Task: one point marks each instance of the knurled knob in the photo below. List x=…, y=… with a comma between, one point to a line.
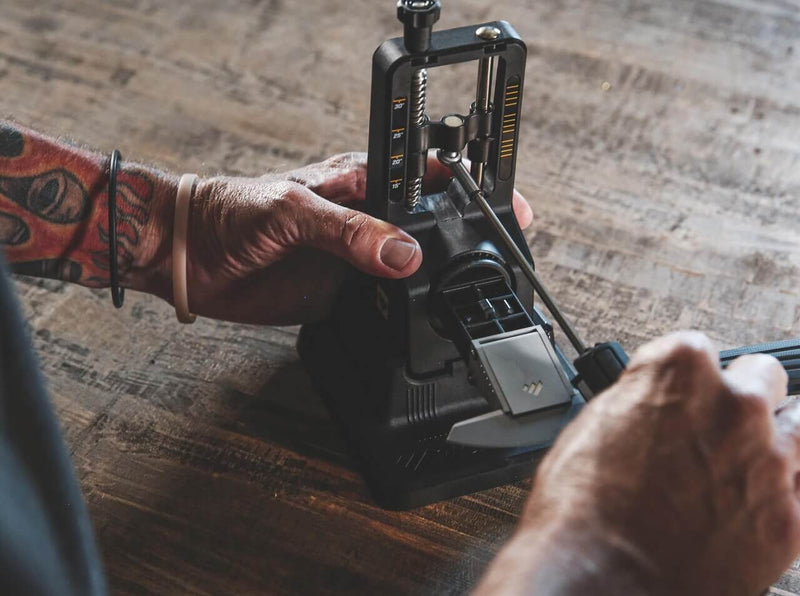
x=418, y=18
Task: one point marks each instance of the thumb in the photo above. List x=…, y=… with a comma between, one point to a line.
x=371, y=245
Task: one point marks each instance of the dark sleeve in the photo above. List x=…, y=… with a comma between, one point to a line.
x=46, y=540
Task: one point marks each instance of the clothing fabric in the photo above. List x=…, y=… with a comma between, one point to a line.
x=46, y=541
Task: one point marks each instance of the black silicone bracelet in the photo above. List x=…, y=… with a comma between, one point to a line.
x=117, y=293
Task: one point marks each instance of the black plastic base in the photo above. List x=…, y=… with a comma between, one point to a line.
x=406, y=469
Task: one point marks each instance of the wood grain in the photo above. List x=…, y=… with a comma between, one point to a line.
x=660, y=154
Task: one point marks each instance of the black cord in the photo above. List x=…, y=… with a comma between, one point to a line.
x=117, y=293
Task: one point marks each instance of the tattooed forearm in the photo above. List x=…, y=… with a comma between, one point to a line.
x=13, y=230
x=132, y=216
x=11, y=141
x=56, y=196
x=54, y=214
x=53, y=268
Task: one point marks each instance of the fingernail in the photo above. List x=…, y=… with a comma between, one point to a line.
x=397, y=253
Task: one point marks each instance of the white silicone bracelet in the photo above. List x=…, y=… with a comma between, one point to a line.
x=180, y=240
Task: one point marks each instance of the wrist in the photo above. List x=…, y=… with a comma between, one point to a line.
x=57, y=197
x=150, y=266
x=564, y=557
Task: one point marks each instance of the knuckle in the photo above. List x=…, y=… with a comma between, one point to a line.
x=772, y=365
x=359, y=183
x=355, y=227
x=285, y=207
x=351, y=159
x=290, y=189
x=684, y=363
x=677, y=368
x=788, y=419
x=752, y=405
x=757, y=382
x=747, y=412
x=351, y=170
x=689, y=348
x=287, y=223
x=291, y=201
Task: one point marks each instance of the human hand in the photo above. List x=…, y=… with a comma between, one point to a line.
x=273, y=250
x=679, y=479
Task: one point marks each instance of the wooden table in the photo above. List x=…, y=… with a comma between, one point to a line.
x=659, y=151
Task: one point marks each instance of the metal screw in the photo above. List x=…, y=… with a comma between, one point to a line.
x=419, y=86
x=487, y=32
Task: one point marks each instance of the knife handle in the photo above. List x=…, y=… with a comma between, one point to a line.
x=787, y=352
x=600, y=366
